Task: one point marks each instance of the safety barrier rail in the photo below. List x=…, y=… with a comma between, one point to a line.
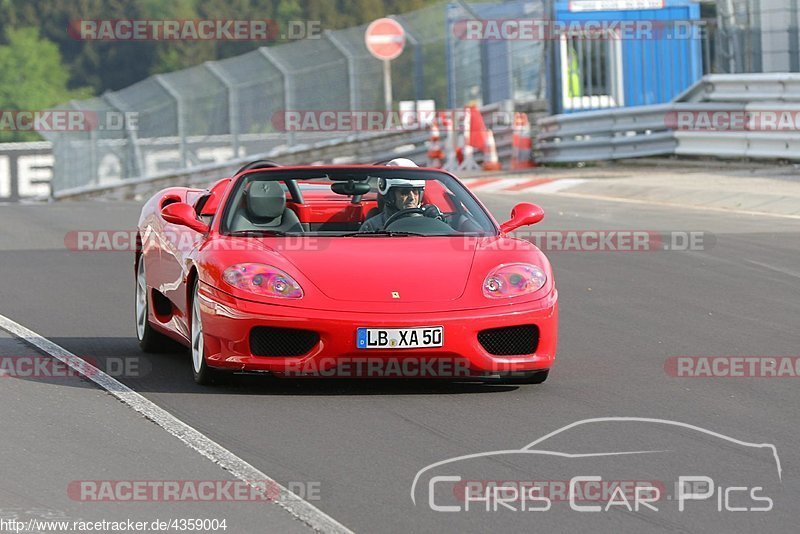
x=360, y=148
x=674, y=128
x=348, y=150
x=777, y=87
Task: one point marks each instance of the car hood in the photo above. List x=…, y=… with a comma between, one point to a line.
x=379, y=274
x=386, y=269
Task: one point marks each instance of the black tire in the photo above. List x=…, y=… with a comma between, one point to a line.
x=150, y=340
x=202, y=373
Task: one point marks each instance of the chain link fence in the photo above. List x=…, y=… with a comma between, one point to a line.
x=225, y=109
x=756, y=36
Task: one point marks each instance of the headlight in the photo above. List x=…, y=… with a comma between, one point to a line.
x=512, y=280
x=262, y=280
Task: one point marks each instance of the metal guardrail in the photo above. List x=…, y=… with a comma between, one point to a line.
x=357, y=148
x=756, y=145
x=777, y=87
x=348, y=150
x=656, y=130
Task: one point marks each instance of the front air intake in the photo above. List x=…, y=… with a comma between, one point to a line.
x=510, y=340
x=270, y=341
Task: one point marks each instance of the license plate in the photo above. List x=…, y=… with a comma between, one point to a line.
x=400, y=338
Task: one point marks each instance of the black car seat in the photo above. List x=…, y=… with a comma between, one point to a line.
x=265, y=209
x=375, y=211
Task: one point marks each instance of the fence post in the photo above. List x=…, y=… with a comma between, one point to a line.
x=134, y=162
x=92, y=146
x=161, y=80
x=449, y=56
x=352, y=82
x=288, y=86
x=794, y=37
x=419, y=87
x=483, y=56
x=233, y=104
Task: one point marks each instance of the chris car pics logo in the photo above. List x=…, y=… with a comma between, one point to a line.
x=684, y=473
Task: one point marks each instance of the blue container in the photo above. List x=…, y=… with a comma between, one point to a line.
x=651, y=68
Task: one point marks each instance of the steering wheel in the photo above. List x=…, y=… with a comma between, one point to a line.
x=432, y=211
x=407, y=212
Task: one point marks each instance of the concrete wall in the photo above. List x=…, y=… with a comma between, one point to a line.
x=25, y=170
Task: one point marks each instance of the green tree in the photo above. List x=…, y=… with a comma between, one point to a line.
x=112, y=65
x=34, y=77
x=288, y=10
x=103, y=65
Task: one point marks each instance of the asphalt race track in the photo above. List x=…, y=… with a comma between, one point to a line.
x=622, y=315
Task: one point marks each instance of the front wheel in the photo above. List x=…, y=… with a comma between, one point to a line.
x=149, y=339
x=203, y=374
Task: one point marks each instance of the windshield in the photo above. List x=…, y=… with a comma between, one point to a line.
x=363, y=202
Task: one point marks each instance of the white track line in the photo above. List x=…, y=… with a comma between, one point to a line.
x=297, y=507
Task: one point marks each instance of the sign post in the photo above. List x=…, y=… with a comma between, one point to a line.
x=385, y=39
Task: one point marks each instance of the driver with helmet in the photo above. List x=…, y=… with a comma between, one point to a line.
x=397, y=194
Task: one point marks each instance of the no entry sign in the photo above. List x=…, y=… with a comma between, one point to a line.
x=385, y=39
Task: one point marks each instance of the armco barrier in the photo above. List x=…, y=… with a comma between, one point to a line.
x=361, y=148
x=377, y=147
x=651, y=130
x=773, y=87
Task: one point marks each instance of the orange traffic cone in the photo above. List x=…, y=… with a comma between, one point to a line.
x=521, y=144
x=490, y=161
x=435, y=152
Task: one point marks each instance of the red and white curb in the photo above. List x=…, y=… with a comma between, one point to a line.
x=520, y=185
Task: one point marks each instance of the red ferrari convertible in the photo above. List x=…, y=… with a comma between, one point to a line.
x=360, y=270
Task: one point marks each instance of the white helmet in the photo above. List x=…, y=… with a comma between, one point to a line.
x=386, y=184
x=401, y=162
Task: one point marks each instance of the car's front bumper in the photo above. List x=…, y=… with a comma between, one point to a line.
x=227, y=323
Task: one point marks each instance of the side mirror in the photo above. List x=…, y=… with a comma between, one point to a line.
x=523, y=214
x=184, y=215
